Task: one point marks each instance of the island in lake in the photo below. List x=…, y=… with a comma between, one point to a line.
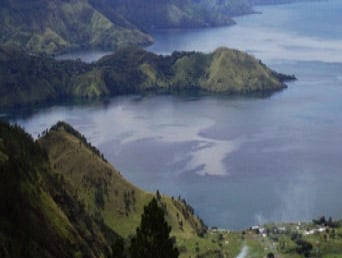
x=28, y=78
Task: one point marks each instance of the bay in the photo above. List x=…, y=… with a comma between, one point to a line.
x=238, y=160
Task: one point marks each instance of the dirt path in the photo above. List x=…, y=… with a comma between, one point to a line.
x=244, y=252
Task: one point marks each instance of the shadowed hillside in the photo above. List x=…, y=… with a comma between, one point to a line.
x=40, y=215
x=60, y=198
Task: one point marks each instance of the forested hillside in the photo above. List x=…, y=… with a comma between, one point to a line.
x=57, y=26
x=53, y=26
x=27, y=79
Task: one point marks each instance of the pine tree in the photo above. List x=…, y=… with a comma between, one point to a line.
x=152, y=238
x=118, y=248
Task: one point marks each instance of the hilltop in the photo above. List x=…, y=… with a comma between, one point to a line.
x=40, y=216
x=27, y=79
x=61, y=198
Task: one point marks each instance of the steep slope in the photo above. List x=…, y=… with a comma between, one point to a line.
x=59, y=25
x=39, y=215
x=103, y=189
x=67, y=201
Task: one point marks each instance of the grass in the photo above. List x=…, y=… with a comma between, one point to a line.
x=325, y=244
x=87, y=171
x=74, y=205
x=124, y=202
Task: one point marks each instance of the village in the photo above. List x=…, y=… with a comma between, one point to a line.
x=285, y=240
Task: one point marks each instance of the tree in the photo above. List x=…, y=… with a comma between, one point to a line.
x=270, y=255
x=118, y=248
x=304, y=247
x=152, y=239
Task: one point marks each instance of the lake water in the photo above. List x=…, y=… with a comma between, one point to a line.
x=238, y=160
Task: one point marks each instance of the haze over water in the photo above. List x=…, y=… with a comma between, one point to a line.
x=238, y=160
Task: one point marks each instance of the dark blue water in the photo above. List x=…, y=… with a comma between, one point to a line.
x=239, y=161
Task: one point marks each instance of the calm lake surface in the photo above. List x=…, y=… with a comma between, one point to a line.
x=238, y=160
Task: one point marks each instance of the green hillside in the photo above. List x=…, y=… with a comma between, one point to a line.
x=39, y=214
x=30, y=78
x=60, y=198
x=55, y=26
x=52, y=26
x=103, y=189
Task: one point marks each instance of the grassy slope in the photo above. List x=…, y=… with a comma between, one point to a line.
x=38, y=215
x=54, y=210
x=123, y=220
x=235, y=71
x=123, y=202
x=55, y=26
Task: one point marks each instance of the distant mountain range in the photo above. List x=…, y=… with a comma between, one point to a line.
x=52, y=26
x=55, y=26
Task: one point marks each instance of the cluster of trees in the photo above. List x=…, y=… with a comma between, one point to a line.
x=152, y=238
x=303, y=247
x=322, y=221
x=188, y=213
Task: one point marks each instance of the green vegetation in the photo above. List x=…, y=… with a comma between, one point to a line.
x=52, y=26
x=30, y=78
x=55, y=26
x=39, y=214
x=60, y=198
x=152, y=239
x=289, y=240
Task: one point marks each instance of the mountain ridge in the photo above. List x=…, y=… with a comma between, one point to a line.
x=61, y=198
x=56, y=26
